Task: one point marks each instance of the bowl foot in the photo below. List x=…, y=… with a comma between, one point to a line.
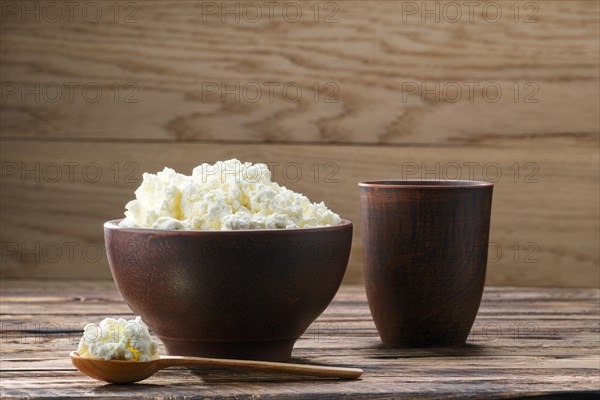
x=273, y=350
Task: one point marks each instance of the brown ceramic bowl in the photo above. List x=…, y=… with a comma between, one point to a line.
x=229, y=294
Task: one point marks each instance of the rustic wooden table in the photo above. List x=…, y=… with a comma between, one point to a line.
x=525, y=342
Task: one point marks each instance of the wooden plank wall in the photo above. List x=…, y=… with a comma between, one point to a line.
x=96, y=93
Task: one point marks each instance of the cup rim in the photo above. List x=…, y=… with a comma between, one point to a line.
x=425, y=184
x=114, y=225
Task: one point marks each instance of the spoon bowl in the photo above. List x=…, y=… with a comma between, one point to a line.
x=122, y=372
x=115, y=371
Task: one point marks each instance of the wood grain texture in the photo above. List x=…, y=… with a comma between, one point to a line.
x=554, y=222
x=525, y=342
x=374, y=53
x=382, y=60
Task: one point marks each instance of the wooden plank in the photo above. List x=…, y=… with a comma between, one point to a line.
x=544, y=233
x=42, y=288
x=340, y=309
x=561, y=358
x=379, y=58
x=216, y=385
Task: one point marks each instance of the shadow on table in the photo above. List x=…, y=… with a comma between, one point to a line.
x=112, y=388
x=391, y=353
x=224, y=376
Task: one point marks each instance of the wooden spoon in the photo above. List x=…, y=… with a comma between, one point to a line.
x=118, y=371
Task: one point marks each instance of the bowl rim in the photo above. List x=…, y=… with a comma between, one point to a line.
x=113, y=225
x=424, y=184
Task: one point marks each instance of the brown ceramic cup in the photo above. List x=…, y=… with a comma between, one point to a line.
x=425, y=257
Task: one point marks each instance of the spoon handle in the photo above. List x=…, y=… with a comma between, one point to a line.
x=262, y=366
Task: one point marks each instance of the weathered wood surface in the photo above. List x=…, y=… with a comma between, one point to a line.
x=545, y=214
x=525, y=342
x=156, y=62
x=370, y=62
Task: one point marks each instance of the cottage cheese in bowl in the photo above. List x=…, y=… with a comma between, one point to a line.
x=118, y=339
x=227, y=195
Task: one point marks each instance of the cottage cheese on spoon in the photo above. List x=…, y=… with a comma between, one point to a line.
x=228, y=195
x=118, y=340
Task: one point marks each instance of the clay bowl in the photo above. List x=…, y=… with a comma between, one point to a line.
x=228, y=294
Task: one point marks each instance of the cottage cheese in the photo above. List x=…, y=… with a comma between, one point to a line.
x=118, y=340
x=228, y=195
